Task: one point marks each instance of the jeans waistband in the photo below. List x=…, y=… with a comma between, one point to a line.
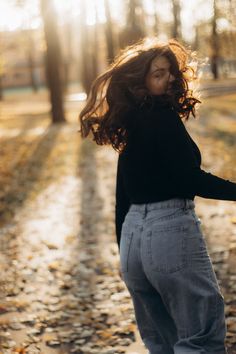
x=170, y=203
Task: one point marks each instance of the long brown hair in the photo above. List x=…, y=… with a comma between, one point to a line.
x=121, y=89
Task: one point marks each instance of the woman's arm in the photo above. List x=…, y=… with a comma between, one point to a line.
x=179, y=160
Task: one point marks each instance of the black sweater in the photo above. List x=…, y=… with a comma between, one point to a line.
x=160, y=162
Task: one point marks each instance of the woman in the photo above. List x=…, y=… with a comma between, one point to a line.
x=137, y=106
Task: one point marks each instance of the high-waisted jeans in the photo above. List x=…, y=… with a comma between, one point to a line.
x=164, y=262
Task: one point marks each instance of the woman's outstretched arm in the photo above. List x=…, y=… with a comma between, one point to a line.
x=178, y=158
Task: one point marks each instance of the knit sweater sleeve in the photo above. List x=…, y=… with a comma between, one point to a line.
x=122, y=202
x=178, y=158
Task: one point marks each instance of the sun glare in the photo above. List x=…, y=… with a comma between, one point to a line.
x=95, y=9
x=14, y=17
x=9, y=18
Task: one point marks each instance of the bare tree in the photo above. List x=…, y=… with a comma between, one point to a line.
x=195, y=44
x=214, y=43
x=135, y=28
x=84, y=67
x=1, y=88
x=94, y=47
x=108, y=32
x=1, y=75
x=156, y=20
x=53, y=60
x=176, y=33
x=89, y=49
x=68, y=56
x=31, y=58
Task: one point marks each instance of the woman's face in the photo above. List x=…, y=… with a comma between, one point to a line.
x=159, y=78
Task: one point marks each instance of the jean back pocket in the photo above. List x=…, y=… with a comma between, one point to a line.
x=167, y=249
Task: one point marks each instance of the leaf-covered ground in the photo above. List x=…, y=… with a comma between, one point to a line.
x=60, y=289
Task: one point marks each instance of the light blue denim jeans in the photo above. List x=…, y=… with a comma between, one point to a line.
x=164, y=262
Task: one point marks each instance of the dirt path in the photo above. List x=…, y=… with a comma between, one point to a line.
x=60, y=289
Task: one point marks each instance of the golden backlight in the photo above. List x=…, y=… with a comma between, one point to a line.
x=27, y=13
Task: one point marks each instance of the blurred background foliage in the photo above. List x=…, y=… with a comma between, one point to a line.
x=64, y=44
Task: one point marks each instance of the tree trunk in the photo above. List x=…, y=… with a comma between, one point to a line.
x=89, y=45
x=135, y=27
x=53, y=60
x=1, y=76
x=156, y=20
x=84, y=68
x=28, y=41
x=108, y=33
x=94, y=48
x=195, y=45
x=32, y=69
x=177, y=23
x=1, y=88
x=215, y=44
x=68, y=57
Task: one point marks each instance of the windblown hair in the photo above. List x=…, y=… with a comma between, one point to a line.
x=122, y=88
